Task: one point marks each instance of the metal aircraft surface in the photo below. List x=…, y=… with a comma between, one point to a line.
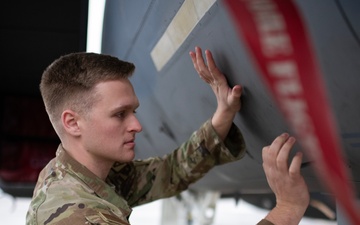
x=157, y=36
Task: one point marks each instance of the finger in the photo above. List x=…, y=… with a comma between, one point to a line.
x=276, y=145
x=269, y=168
x=196, y=57
x=265, y=155
x=217, y=76
x=213, y=72
x=200, y=60
x=202, y=68
x=193, y=59
x=211, y=63
x=283, y=156
x=295, y=166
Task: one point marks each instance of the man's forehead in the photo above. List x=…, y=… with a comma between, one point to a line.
x=120, y=92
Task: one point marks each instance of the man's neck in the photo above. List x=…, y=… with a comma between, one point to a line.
x=97, y=166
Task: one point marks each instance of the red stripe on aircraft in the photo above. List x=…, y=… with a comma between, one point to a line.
x=278, y=41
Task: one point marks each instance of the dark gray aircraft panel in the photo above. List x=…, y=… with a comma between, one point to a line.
x=350, y=11
x=175, y=101
x=338, y=52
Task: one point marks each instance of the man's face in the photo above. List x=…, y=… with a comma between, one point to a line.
x=108, y=130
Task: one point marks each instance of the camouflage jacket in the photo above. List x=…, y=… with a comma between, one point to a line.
x=68, y=193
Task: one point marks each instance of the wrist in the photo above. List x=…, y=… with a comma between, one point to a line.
x=222, y=121
x=286, y=214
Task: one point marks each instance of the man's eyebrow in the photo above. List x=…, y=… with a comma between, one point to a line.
x=125, y=107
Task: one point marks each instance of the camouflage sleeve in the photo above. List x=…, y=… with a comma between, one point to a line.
x=71, y=214
x=148, y=180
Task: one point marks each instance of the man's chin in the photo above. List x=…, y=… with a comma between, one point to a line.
x=130, y=156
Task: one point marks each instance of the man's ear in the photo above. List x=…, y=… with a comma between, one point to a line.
x=69, y=120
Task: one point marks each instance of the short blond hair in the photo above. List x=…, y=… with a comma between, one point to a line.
x=68, y=82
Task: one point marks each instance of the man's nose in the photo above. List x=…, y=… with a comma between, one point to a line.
x=135, y=125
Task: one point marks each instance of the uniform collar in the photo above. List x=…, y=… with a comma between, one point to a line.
x=100, y=187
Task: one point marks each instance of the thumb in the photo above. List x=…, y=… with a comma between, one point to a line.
x=236, y=91
x=235, y=97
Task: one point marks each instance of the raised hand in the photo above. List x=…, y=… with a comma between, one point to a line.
x=286, y=181
x=228, y=99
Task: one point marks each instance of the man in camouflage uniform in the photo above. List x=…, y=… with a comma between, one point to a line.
x=94, y=180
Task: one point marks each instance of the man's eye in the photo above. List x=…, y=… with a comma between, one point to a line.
x=120, y=114
x=124, y=113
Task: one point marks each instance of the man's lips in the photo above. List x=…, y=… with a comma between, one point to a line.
x=130, y=143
